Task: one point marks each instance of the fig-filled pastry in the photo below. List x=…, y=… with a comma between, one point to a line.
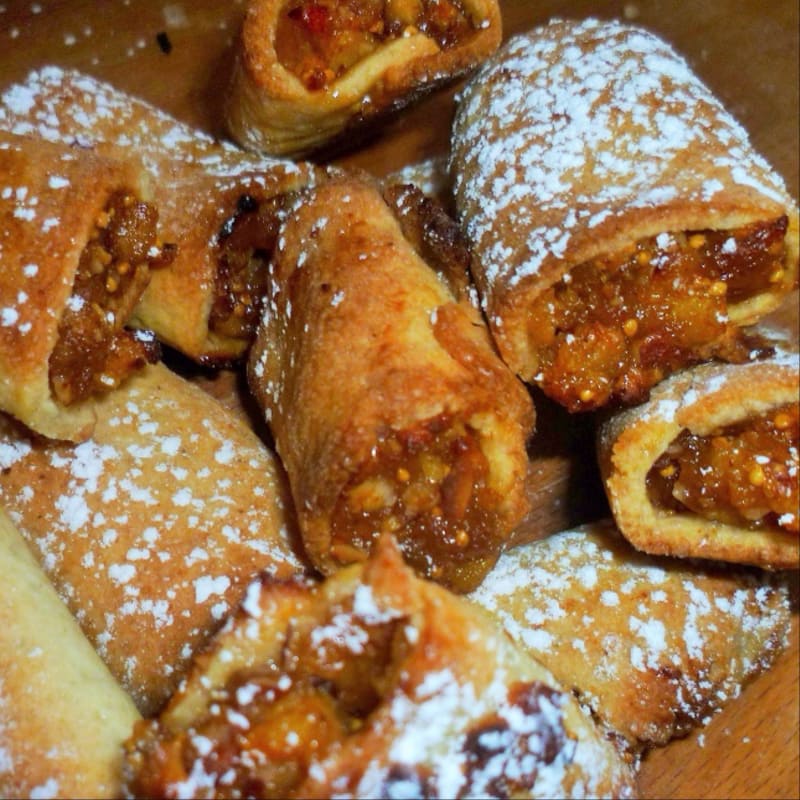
x=390, y=409
x=708, y=467
x=623, y=225
x=79, y=243
x=653, y=646
x=217, y=204
x=373, y=683
x=150, y=529
x=312, y=74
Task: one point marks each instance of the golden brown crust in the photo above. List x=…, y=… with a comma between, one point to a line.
x=195, y=181
x=47, y=214
x=363, y=343
x=63, y=718
x=150, y=529
x=699, y=400
x=269, y=109
x=444, y=685
x=653, y=646
x=555, y=165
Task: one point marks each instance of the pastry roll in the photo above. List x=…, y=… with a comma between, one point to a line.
x=622, y=225
x=77, y=247
x=708, y=467
x=63, y=718
x=652, y=646
x=374, y=683
x=150, y=529
x=309, y=74
x=217, y=204
x=389, y=408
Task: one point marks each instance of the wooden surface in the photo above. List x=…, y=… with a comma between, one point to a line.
x=746, y=51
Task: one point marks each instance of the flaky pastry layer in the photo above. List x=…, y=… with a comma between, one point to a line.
x=700, y=400
x=271, y=109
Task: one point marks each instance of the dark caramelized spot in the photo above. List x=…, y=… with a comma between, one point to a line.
x=245, y=244
x=433, y=234
x=403, y=780
x=428, y=486
x=744, y=474
x=94, y=352
x=505, y=752
x=618, y=324
x=319, y=40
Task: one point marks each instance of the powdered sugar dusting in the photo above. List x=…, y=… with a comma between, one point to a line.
x=646, y=627
x=66, y=106
x=600, y=105
x=125, y=551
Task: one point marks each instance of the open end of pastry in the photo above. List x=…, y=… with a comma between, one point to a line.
x=613, y=327
x=270, y=720
x=319, y=40
x=244, y=246
x=430, y=487
x=744, y=475
x=362, y=687
x=94, y=352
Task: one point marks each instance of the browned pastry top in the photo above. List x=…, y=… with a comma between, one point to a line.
x=578, y=134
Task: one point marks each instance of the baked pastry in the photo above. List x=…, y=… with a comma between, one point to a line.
x=217, y=204
x=430, y=176
x=63, y=718
x=708, y=467
x=652, y=646
x=374, y=683
x=389, y=408
x=150, y=529
x=311, y=74
x=77, y=246
x=622, y=224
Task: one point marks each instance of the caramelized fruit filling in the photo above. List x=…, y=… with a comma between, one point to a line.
x=744, y=474
x=429, y=487
x=319, y=40
x=94, y=352
x=244, y=246
x=267, y=723
x=616, y=325
x=268, y=728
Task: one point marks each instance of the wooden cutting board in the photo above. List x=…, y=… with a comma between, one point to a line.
x=177, y=55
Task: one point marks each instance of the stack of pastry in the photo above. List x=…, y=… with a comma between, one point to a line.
x=288, y=623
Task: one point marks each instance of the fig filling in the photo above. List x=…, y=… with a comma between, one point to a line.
x=429, y=486
x=267, y=728
x=615, y=326
x=319, y=40
x=267, y=723
x=744, y=474
x=244, y=246
x=94, y=352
